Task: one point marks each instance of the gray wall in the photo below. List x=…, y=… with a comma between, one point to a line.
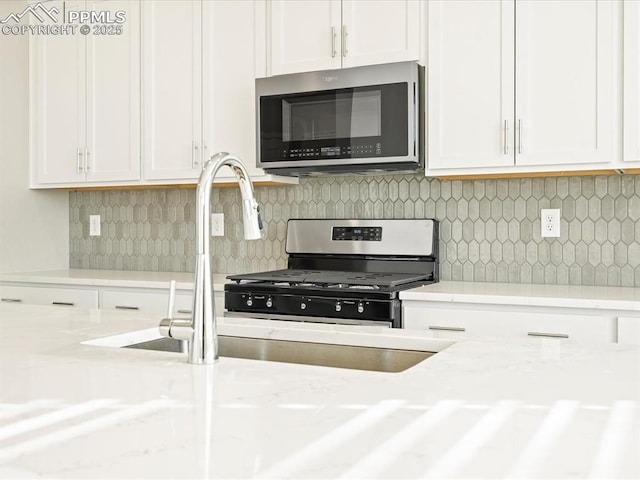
x=490, y=229
x=34, y=225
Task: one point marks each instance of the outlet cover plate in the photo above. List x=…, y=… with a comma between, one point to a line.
x=217, y=224
x=94, y=225
x=550, y=222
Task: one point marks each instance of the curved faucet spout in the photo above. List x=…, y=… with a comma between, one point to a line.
x=201, y=331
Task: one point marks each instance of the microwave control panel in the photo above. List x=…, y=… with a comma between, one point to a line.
x=350, y=151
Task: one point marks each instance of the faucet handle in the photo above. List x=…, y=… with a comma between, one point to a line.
x=165, y=323
x=172, y=299
x=165, y=327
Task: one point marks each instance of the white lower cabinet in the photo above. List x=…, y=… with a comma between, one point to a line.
x=468, y=321
x=69, y=297
x=147, y=300
x=629, y=330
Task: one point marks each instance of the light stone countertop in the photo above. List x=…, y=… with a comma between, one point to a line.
x=110, y=278
x=540, y=408
x=570, y=296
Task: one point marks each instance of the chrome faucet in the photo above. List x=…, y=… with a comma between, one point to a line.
x=201, y=330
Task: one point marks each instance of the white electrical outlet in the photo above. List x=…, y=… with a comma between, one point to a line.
x=217, y=224
x=550, y=222
x=94, y=225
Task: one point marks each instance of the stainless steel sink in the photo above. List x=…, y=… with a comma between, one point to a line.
x=307, y=353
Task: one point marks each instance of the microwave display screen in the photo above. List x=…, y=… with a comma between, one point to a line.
x=343, y=115
x=357, y=122
x=371, y=234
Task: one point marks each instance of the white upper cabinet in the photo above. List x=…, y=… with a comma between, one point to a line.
x=522, y=86
x=200, y=61
x=58, y=73
x=471, y=85
x=631, y=81
x=229, y=84
x=305, y=35
x=565, y=82
x=85, y=100
x=308, y=35
x=113, y=97
x=149, y=100
x=172, y=89
x=379, y=31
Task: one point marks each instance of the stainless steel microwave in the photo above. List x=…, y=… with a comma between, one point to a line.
x=358, y=119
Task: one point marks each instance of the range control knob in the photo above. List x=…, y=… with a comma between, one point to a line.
x=269, y=302
x=249, y=302
x=303, y=306
x=338, y=307
x=360, y=307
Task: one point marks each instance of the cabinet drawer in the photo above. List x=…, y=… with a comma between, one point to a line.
x=629, y=330
x=70, y=297
x=448, y=322
x=154, y=302
x=145, y=301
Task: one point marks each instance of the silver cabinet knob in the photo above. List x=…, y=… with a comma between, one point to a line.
x=303, y=306
x=249, y=302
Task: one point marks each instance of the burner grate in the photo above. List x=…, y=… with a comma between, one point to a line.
x=331, y=279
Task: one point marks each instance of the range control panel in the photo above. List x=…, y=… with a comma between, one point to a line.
x=373, y=234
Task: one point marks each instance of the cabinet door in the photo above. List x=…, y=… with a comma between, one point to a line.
x=305, y=35
x=631, y=81
x=113, y=95
x=470, y=84
x=380, y=31
x=565, y=82
x=172, y=85
x=57, y=115
x=229, y=84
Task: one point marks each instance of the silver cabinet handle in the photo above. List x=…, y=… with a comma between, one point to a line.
x=126, y=307
x=333, y=42
x=11, y=300
x=519, y=135
x=65, y=304
x=87, y=166
x=187, y=312
x=79, y=160
x=204, y=155
x=344, y=40
x=449, y=329
x=506, y=137
x=551, y=335
x=194, y=155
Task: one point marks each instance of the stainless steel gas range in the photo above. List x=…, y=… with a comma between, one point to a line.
x=341, y=271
